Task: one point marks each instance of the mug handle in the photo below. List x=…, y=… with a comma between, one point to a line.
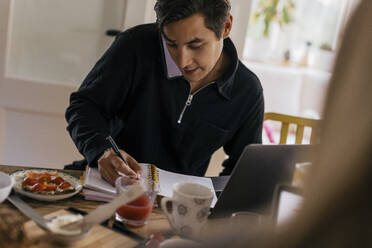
x=163, y=204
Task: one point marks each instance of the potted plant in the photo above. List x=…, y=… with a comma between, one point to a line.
x=264, y=33
x=273, y=11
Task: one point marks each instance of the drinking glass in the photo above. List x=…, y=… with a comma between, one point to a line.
x=137, y=212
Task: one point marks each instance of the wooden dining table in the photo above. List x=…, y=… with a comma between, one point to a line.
x=157, y=222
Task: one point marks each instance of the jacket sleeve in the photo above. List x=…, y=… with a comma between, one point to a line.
x=250, y=132
x=101, y=97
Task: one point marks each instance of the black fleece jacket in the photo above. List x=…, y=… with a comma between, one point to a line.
x=132, y=95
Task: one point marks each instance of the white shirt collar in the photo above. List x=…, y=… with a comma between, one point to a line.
x=172, y=68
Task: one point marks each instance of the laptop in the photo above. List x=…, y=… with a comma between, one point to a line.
x=257, y=172
x=287, y=201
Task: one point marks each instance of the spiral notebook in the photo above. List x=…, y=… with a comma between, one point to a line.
x=98, y=189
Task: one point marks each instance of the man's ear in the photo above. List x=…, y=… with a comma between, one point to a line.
x=227, y=27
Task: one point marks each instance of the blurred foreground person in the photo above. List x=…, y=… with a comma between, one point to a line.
x=337, y=211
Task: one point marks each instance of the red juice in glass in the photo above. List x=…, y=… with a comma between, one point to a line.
x=136, y=213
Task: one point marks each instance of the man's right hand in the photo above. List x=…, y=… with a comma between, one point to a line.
x=109, y=164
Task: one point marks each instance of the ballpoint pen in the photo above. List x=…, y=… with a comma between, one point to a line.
x=116, y=149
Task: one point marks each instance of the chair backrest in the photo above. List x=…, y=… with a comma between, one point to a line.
x=300, y=122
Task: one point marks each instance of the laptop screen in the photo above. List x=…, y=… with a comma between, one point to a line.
x=257, y=172
x=289, y=202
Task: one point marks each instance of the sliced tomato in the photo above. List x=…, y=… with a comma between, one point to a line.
x=49, y=174
x=44, y=179
x=31, y=174
x=29, y=181
x=38, y=187
x=57, y=180
x=64, y=185
x=51, y=187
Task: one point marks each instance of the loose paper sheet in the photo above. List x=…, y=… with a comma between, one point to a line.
x=168, y=179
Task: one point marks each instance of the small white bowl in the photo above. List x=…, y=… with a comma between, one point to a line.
x=65, y=237
x=69, y=239
x=6, y=184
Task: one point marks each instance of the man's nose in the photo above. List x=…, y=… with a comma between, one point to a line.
x=184, y=58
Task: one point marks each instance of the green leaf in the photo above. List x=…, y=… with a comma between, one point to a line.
x=286, y=16
x=267, y=26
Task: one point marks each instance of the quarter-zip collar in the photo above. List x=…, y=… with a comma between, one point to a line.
x=224, y=84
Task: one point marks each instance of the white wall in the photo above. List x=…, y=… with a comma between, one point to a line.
x=2, y=132
x=43, y=142
x=313, y=92
x=293, y=91
x=139, y=12
x=240, y=10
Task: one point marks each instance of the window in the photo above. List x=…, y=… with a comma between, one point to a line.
x=286, y=31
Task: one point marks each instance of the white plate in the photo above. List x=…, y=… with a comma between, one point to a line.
x=18, y=177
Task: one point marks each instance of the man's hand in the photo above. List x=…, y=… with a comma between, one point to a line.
x=109, y=164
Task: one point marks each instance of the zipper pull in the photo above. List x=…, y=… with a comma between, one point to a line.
x=189, y=99
x=188, y=103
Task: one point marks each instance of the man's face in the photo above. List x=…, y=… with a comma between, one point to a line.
x=194, y=48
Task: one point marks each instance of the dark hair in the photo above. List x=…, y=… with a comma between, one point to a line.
x=215, y=12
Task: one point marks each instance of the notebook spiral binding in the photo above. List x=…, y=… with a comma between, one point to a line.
x=153, y=176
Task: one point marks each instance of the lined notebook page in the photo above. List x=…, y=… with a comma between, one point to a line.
x=94, y=181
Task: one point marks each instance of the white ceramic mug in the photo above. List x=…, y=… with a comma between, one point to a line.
x=190, y=208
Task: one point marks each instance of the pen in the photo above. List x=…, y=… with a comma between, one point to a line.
x=116, y=149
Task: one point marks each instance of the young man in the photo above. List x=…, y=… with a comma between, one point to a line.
x=170, y=94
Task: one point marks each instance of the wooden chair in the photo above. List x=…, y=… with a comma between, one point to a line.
x=215, y=164
x=300, y=122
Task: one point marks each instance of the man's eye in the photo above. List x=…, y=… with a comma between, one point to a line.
x=172, y=45
x=195, y=47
